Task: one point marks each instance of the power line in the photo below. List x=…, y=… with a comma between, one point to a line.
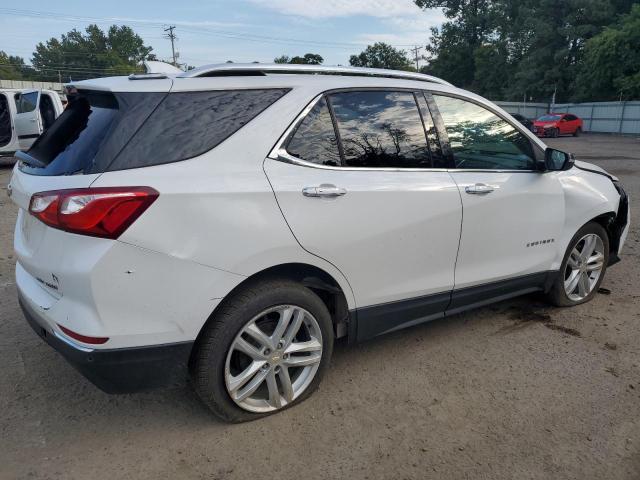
x=186, y=28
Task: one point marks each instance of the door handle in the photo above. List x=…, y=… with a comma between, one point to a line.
x=323, y=191
x=479, y=189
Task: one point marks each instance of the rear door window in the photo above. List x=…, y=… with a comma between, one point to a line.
x=314, y=140
x=380, y=129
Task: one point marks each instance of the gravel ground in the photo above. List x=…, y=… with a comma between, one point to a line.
x=515, y=390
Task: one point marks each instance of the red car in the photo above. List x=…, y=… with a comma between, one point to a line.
x=556, y=124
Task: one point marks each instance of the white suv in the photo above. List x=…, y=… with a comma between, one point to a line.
x=231, y=222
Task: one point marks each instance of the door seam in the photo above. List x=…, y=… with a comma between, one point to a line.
x=455, y=264
x=353, y=295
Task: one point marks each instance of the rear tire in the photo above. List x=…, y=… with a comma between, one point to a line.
x=222, y=367
x=578, y=279
x=577, y=132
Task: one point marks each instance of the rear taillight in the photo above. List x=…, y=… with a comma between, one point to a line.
x=99, y=212
x=84, y=338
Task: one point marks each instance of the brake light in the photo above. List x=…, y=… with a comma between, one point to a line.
x=104, y=212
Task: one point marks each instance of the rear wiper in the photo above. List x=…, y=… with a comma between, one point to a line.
x=29, y=160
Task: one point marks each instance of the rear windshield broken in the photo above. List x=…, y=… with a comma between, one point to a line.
x=100, y=132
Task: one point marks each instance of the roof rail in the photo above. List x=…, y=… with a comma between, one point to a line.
x=249, y=69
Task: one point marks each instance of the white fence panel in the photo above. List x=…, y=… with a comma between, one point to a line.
x=30, y=84
x=605, y=117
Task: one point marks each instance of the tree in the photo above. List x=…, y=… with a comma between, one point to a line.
x=452, y=52
x=506, y=48
x=94, y=53
x=307, y=59
x=611, y=67
x=555, y=33
x=381, y=55
x=14, y=68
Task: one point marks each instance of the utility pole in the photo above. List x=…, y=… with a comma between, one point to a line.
x=172, y=37
x=415, y=51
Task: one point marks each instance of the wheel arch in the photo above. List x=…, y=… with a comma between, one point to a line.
x=608, y=222
x=316, y=279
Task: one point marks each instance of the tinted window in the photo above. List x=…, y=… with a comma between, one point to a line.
x=314, y=140
x=380, y=129
x=481, y=139
x=570, y=117
x=549, y=118
x=47, y=111
x=187, y=124
x=26, y=102
x=90, y=134
x=91, y=131
x=5, y=121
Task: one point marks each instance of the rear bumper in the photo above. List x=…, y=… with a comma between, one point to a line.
x=119, y=370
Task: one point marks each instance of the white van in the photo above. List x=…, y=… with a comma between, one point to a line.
x=24, y=115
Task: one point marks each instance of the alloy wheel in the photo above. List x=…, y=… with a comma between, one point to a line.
x=273, y=359
x=584, y=267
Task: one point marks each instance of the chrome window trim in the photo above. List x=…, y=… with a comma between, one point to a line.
x=283, y=156
x=488, y=170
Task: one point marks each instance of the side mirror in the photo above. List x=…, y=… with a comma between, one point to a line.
x=557, y=160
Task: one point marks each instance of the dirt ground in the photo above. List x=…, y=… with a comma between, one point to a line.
x=517, y=390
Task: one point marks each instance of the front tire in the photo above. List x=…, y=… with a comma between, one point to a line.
x=583, y=267
x=264, y=350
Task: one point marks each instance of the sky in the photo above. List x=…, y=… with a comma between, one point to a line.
x=214, y=31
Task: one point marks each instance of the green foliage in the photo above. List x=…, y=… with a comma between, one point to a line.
x=611, y=66
x=78, y=55
x=381, y=55
x=507, y=48
x=307, y=59
x=282, y=59
x=14, y=68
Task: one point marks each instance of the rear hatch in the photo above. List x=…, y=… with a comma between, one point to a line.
x=79, y=146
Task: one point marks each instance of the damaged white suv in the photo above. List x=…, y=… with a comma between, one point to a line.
x=230, y=222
